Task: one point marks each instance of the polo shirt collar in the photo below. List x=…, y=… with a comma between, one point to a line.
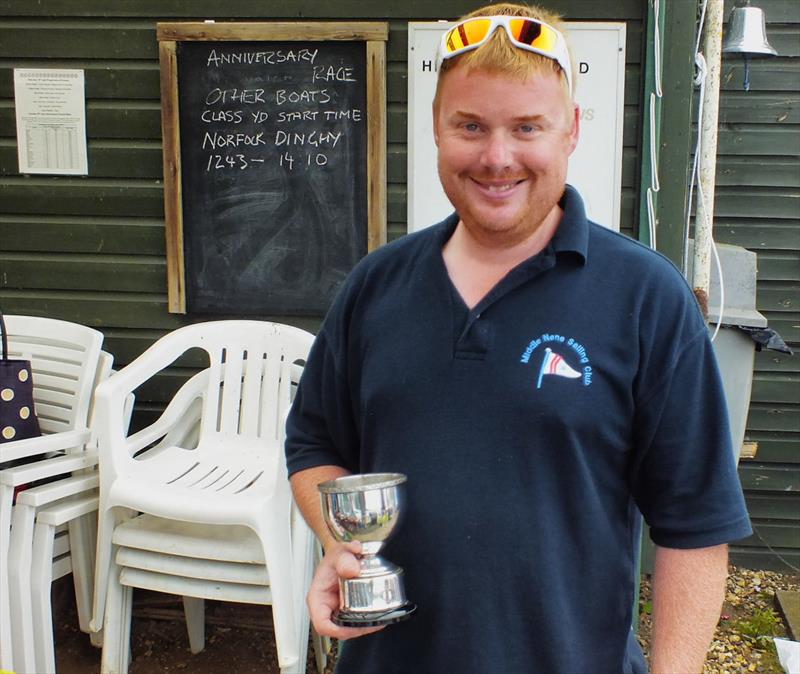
x=572, y=234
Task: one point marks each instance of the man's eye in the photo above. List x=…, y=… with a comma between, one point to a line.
x=526, y=128
x=470, y=126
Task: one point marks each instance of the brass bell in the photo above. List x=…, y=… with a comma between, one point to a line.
x=747, y=35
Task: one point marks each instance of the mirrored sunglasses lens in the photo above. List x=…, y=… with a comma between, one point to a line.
x=467, y=33
x=533, y=34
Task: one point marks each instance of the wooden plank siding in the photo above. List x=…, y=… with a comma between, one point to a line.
x=91, y=249
x=758, y=207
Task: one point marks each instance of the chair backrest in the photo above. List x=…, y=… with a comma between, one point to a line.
x=248, y=385
x=250, y=377
x=187, y=432
x=64, y=359
x=105, y=364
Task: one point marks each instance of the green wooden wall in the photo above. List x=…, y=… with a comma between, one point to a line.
x=758, y=206
x=91, y=249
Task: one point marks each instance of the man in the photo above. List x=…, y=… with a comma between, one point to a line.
x=538, y=378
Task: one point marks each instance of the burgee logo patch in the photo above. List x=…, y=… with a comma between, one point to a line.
x=560, y=357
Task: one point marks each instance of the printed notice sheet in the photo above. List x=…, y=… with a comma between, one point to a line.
x=51, y=121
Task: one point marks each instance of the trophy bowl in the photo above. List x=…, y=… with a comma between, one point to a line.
x=367, y=508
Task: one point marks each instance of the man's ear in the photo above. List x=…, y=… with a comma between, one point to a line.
x=435, y=112
x=575, y=134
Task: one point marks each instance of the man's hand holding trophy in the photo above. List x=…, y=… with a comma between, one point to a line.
x=367, y=508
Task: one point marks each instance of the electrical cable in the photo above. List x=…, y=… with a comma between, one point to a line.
x=655, y=186
x=657, y=48
x=721, y=289
x=657, y=94
x=772, y=550
x=700, y=27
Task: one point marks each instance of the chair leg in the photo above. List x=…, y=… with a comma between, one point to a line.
x=41, y=580
x=82, y=556
x=283, y=614
x=116, y=625
x=194, y=608
x=321, y=647
x=102, y=564
x=127, y=613
x=304, y=548
x=19, y=579
x=6, y=499
x=95, y=638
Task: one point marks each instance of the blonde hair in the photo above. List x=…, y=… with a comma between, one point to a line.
x=499, y=55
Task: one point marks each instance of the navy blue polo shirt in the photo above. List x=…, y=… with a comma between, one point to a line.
x=531, y=428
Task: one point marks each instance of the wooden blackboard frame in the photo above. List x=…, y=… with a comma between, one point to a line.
x=374, y=34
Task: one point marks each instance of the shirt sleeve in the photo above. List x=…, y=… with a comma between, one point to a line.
x=684, y=477
x=321, y=428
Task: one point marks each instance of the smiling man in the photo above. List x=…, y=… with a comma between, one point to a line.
x=541, y=380
x=503, y=151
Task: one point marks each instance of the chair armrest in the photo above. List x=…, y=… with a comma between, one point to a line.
x=55, y=491
x=156, y=358
x=39, y=470
x=44, y=444
x=113, y=396
x=177, y=418
x=68, y=510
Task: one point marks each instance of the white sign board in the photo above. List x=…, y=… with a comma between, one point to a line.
x=595, y=167
x=51, y=121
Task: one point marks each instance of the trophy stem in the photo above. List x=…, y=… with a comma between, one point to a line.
x=374, y=565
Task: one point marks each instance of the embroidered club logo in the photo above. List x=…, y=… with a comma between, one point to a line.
x=560, y=357
x=555, y=365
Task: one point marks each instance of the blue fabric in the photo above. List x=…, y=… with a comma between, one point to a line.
x=531, y=428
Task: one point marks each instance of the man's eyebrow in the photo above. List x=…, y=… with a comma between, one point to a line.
x=529, y=118
x=521, y=119
x=465, y=115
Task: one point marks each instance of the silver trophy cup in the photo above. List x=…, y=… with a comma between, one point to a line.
x=367, y=508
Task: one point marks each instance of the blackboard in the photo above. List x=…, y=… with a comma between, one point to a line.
x=273, y=142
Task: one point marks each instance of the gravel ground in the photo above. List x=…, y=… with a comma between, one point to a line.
x=239, y=636
x=750, y=616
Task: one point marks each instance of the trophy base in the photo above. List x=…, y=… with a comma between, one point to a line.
x=373, y=618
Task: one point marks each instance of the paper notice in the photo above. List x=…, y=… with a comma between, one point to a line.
x=51, y=121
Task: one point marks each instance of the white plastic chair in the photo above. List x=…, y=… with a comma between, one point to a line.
x=164, y=549
x=64, y=358
x=32, y=570
x=68, y=504
x=235, y=474
x=198, y=561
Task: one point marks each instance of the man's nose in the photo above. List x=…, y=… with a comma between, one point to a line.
x=497, y=152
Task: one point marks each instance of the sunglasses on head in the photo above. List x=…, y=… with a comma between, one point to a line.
x=524, y=33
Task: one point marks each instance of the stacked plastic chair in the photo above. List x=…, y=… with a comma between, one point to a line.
x=53, y=534
x=66, y=363
x=193, y=496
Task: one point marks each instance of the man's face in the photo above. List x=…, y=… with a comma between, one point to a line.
x=503, y=150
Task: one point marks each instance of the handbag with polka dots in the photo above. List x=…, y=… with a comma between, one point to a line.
x=17, y=415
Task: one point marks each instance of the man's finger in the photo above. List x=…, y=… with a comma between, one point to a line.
x=347, y=566
x=343, y=633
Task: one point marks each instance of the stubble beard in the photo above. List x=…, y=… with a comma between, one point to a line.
x=531, y=216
